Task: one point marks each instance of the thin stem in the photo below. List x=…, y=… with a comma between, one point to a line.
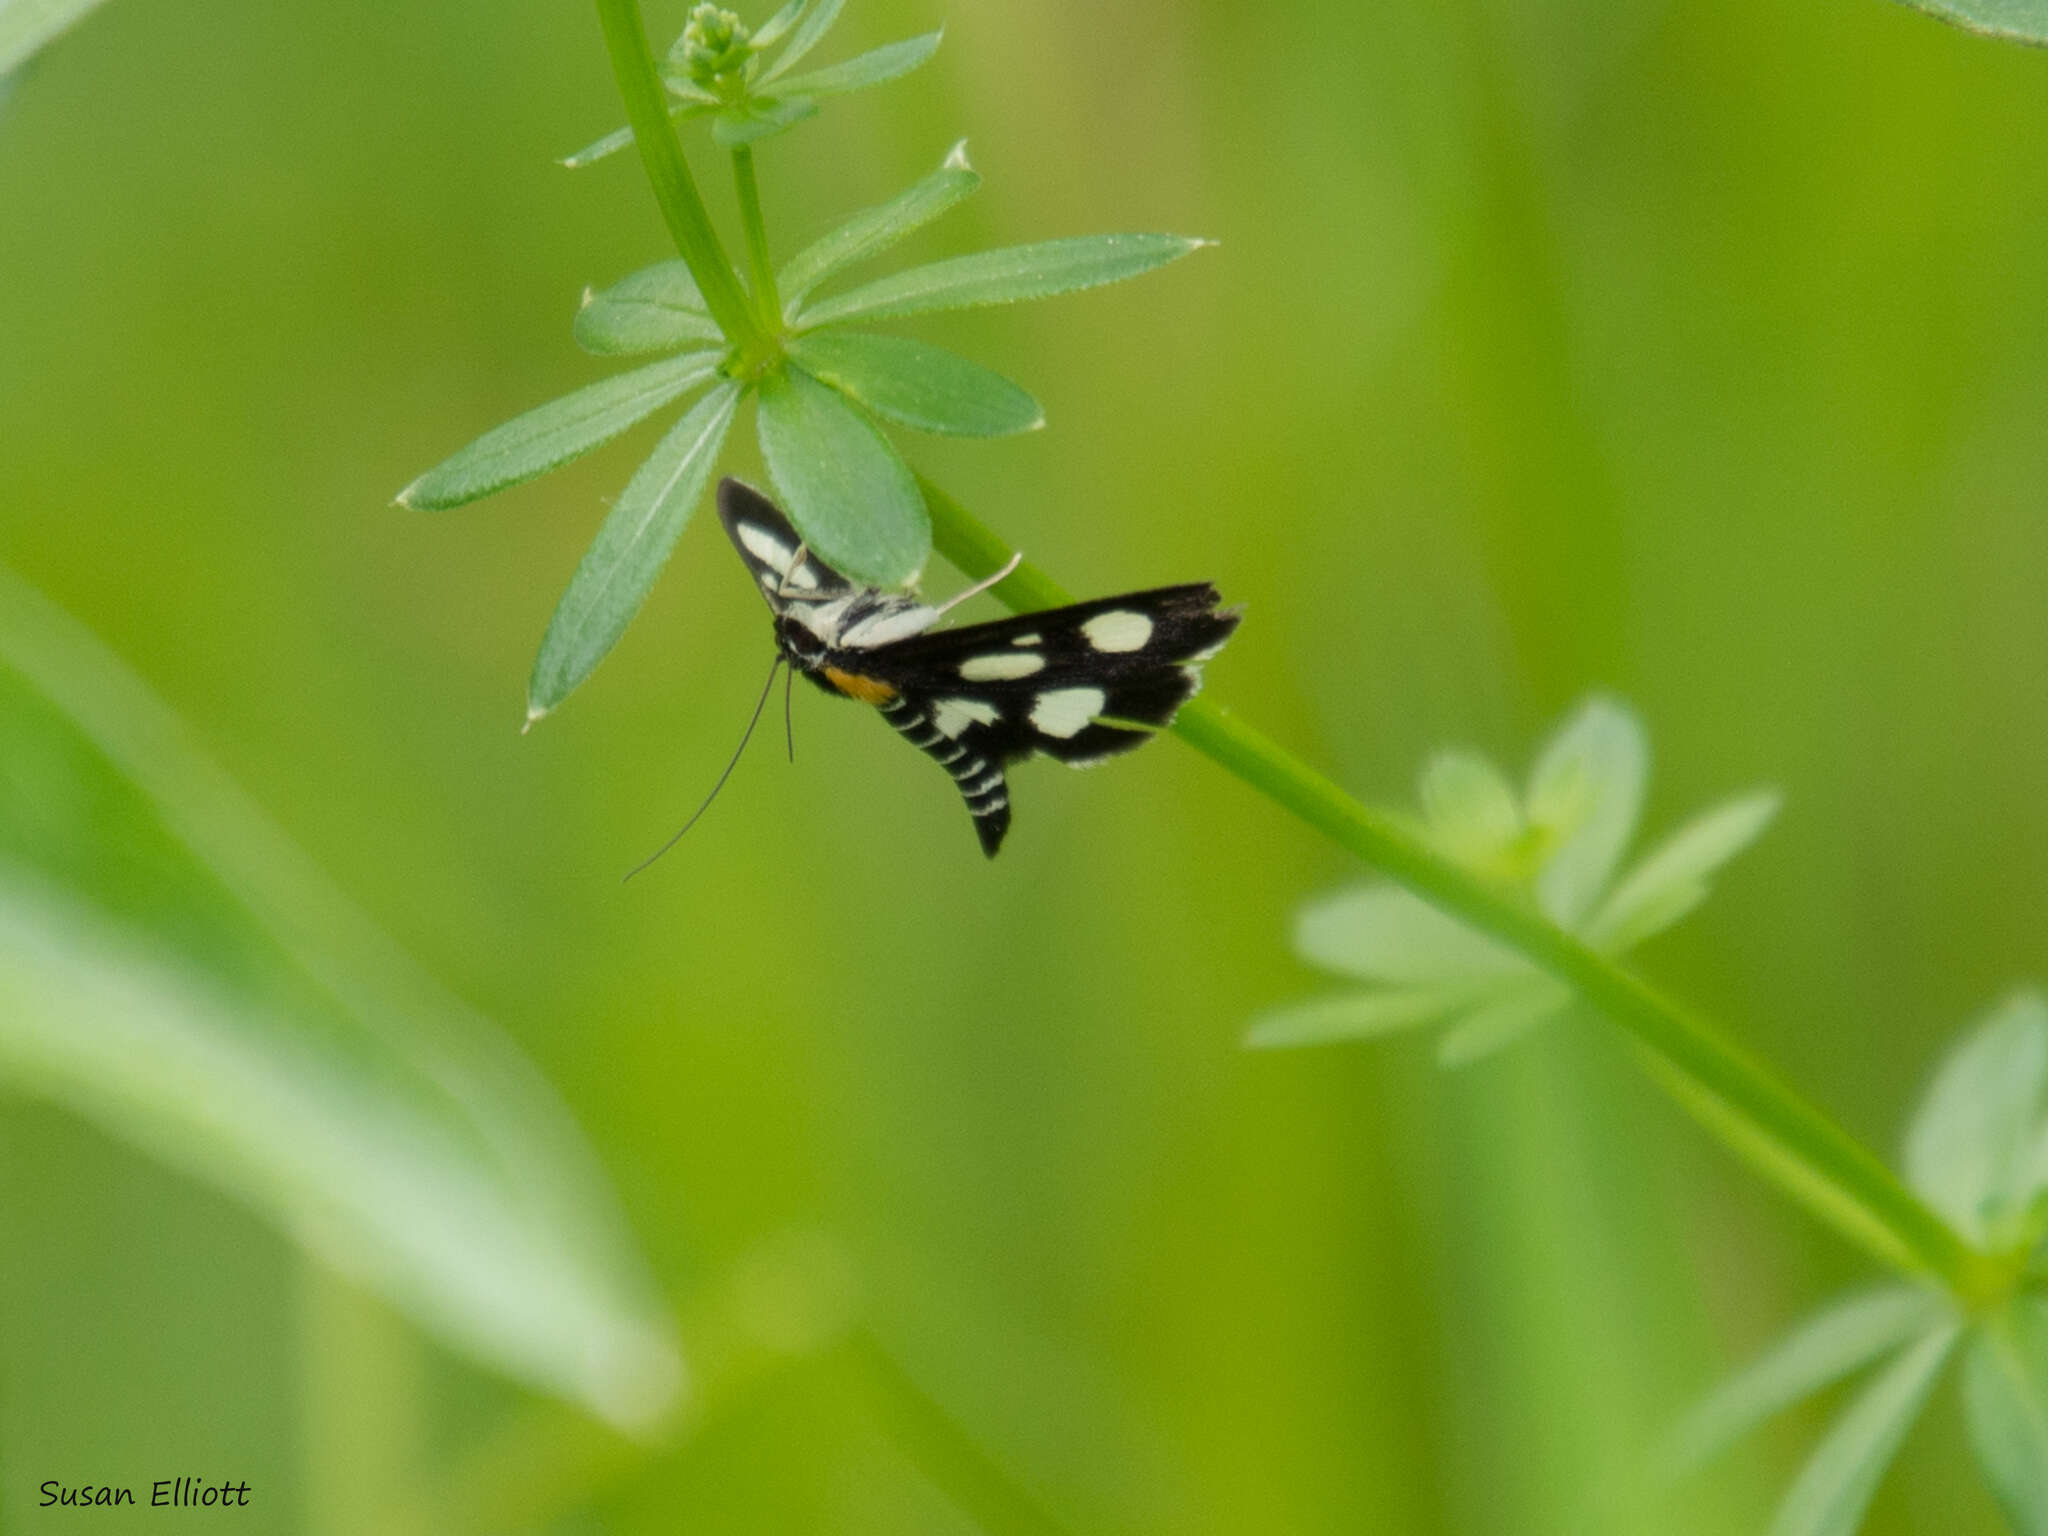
x=654, y=134
x=767, y=303
x=1736, y=1097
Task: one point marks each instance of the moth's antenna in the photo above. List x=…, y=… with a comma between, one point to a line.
x=788, y=729
x=752, y=721
x=980, y=586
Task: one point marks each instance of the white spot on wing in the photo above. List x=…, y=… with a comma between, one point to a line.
x=1065, y=712
x=1001, y=665
x=765, y=547
x=1118, y=630
x=952, y=716
x=1026, y=639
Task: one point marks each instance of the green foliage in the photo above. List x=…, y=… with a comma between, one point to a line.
x=174, y=971
x=2005, y=1400
x=819, y=389
x=1558, y=846
x=551, y=435
x=1844, y=1336
x=1977, y=1150
x=2020, y=21
x=1836, y=1485
x=1003, y=277
x=657, y=309
x=617, y=572
x=862, y=510
x=917, y=385
x=718, y=70
x=873, y=230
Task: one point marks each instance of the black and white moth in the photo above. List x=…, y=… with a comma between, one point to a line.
x=1079, y=684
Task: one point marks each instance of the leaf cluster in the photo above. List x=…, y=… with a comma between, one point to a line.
x=736, y=80
x=1558, y=845
x=1976, y=1150
x=822, y=383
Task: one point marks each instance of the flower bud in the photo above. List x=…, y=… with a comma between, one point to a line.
x=715, y=47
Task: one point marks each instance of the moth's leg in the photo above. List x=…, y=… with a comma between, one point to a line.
x=783, y=589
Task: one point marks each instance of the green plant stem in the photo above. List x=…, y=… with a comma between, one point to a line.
x=1735, y=1096
x=767, y=303
x=654, y=134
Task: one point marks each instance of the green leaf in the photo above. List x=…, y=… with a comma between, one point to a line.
x=1969, y=1149
x=27, y=25
x=2005, y=1401
x=759, y=117
x=809, y=34
x=176, y=971
x=1384, y=933
x=690, y=94
x=1469, y=806
x=917, y=384
x=620, y=138
x=1499, y=1024
x=845, y=489
x=1835, y=1487
x=1351, y=1016
x=553, y=434
x=2020, y=21
x=1670, y=882
x=617, y=573
x=1585, y=794
x=871, y=68
x=1844, y=1336
x=874, y=230
x=1005, y=276
x=120, y=1033
x=771, y=31
x=656, y=309
x=597, y=149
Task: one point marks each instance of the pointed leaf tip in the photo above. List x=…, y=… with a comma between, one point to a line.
x=956, y=158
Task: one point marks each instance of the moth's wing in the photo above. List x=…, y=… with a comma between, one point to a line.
x=1059, y=680
x=768, y=545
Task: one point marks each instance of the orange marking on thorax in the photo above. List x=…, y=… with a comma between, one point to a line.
x=866, y=689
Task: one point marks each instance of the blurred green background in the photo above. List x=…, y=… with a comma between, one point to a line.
x=1694, y=351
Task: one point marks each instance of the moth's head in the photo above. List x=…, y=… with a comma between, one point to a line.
x=796, y=639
